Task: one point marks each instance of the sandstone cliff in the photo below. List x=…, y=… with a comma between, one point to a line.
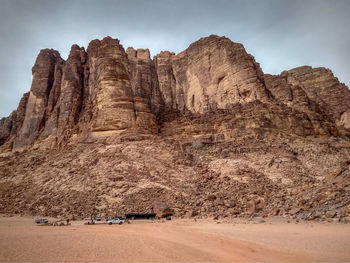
x=107, y=90
x=204, y=130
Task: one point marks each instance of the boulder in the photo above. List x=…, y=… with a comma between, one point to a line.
x=256, y=205
x=162, y=209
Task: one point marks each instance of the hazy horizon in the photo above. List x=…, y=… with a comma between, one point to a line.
x=280, y=34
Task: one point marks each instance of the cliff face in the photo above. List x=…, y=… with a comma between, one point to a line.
x=107, y=90
x=215, y=73
x=204, y=130
x=322, y=87
x=36, y=113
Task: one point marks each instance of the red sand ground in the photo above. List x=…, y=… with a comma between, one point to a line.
x=174, y=241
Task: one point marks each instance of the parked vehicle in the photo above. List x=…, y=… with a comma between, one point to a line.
x=98, y=218
x=41, y=221
x=168, y=218
x=115, y=221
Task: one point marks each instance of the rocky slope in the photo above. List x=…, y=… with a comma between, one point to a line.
x=110, y=131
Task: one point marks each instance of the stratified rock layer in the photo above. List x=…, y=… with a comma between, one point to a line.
x=114, y=104
x=110, y=87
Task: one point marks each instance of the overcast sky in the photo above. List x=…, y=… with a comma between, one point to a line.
x=280, y=34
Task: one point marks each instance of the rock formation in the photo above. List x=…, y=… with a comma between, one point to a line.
x=166, y=79
x=204, y=131
x=35, y=114
x=5, y=128
x=108, y=90
x=215, y=73
x=322, y=87
x=114, y=105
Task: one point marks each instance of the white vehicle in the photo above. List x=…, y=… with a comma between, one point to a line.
x=115, y=221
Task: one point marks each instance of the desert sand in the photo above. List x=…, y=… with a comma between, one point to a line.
x=174, y=241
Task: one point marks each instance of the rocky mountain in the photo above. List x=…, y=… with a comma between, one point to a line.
x=111, y=131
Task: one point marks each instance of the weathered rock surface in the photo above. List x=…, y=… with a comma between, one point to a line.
x=5, y=128
x=108, y=90
x=292, y=177
x=296, y=98
x=35, y=114
x=10, y=125
x=20, y=114
x=65, y=101
x=110, y=87
x=114, y=105
x=322, y=87
x=204, y=131
x=144, y=86
x=215, y=73
x=166, y=79
x=140, y=66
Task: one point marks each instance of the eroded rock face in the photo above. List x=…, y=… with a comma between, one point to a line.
x=232, y=141
x=212, y=73
x=5, y=128
x=20, y=113
x=108, y=90
x=10, y=125
x=166, y=79
x=324, y=88
x=110, y=87
x=66, y=98
x=144, y=84
x=52, y=109
x=293, y=96
x=114, y=107
x=72, y=86
x=216, y=73
x=43, y=79
x=140, y=65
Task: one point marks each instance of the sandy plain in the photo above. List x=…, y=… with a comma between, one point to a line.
x=21, y=240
